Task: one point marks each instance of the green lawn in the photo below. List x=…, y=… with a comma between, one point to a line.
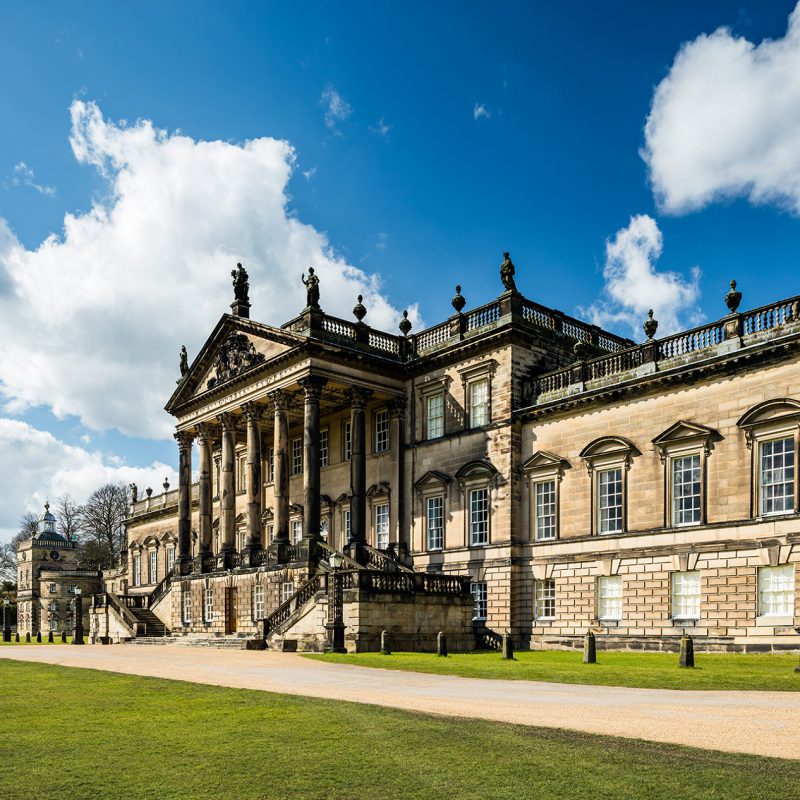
x=34, y=643
x=647, y=670
x=121, y=737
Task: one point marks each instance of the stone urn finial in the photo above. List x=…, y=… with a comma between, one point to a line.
x=733, y=298
x=405, y=324
x=650, y=325
x=148, y=491
x=581, y=350
x=166, y=484
x=458, y=300
x=359, y=311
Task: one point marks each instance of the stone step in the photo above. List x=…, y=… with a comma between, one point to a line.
x=217, y=642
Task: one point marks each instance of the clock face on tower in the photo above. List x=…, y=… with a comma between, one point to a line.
x=54, y=555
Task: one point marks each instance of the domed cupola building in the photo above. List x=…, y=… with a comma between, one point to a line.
x=48, y=578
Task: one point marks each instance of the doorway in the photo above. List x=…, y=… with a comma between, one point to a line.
x=231, y=611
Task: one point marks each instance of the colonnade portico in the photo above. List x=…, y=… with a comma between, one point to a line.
x=219, y=434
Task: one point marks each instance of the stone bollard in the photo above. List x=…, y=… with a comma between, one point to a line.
x=508, y=647
x=39, y=637
x=589, y=649
x=686, y=658
x=63, y=637
x=16, y=638
x=27, y=638
x=441, y=644
x=50, y=637
x=385, y=649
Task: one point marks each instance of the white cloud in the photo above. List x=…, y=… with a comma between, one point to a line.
x=480, y=111
x=91, y=321
x=725, y=123
x=23, y=175
x=381, y=127
x=309, y=173
x=337, y=109
x=46, y=467
x=633, y=285
x=382, y=239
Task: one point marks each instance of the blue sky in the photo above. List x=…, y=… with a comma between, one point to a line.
x=428, y=138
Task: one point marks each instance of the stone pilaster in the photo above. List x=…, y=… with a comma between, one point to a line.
x=184, y=439
x=397, y=431
x=227, y=490
x=312, y=386
x=253, y=413
x=358, y=468
x=204, y=434
x=281, y=483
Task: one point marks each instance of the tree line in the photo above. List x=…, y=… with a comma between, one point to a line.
x=98, y=527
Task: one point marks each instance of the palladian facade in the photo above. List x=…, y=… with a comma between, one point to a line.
x=509, y=470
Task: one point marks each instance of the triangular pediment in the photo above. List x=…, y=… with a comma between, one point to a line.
x=235, y=347
x=432, y=478
x=683, y=431
x=542, y=460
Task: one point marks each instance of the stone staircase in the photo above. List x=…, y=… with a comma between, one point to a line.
x=148, y=625
x=217, y=642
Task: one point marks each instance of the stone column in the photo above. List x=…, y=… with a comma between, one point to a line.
x=358, y=467
x=397, y=508
x=281, y=482
x=184, y=439
x=204, y=434
x=227, y=489
x=312, y=386
x=253, y=413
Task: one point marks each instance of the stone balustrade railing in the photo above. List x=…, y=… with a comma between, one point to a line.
x=744, y=328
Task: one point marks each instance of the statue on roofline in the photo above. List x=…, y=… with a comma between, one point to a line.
x=507, y=273
x=312, y=288
x=184, y=360
x=241, y=285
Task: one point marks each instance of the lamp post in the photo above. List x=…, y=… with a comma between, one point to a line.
x=77, y=636
x=335, y=624
x=6, y=620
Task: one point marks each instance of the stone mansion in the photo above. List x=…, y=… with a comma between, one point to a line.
x=511, y=469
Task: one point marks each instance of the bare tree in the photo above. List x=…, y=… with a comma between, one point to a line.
x=8, y=550
x=102, y=523
x=68, y=516
x=28, y=524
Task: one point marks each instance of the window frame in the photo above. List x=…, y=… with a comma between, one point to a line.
x=297, y=455
x=481, y=601
x=287, y=590
x=431, y=548
x=347, y=439
x=470, y=520
x=761, y=441
x=324, y=448
x=535, y=485
x=599, y=486
x=438, y=395
x=780, y=617
x=603, y=581
x=381, y=430
x=544, y=583
x=208, y=604
x=257, y=602
x=152, y=565
x=474, y=424
x=383, y=508
x=601, y=455
x=674, y=577
x=186, y=603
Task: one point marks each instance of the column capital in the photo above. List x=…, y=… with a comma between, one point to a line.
x=228, y=422
x=206, y=431
x=279, y=399
x=397, y=407
x=359, y=397
x=184, y=439
x=253, y=411
x=312, y=386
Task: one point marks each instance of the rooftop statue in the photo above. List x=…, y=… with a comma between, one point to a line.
x=312, y=288
x=241, y=285
x=507, y=273
x=184, y=360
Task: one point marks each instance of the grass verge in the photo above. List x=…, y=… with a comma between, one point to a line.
x=122, y=737
x=731, y=671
